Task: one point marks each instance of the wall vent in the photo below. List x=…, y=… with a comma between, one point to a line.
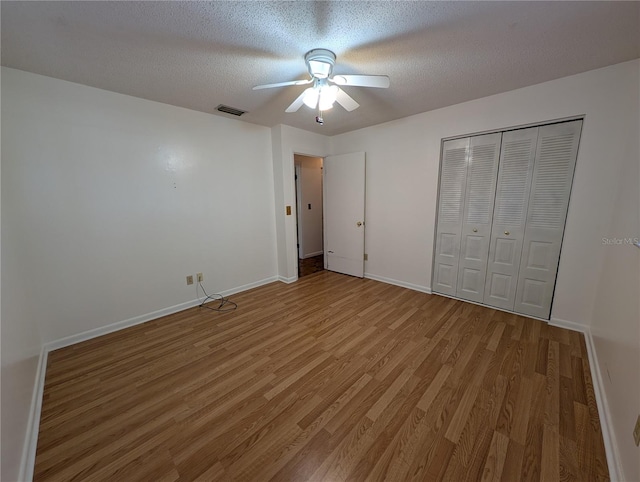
x=230, y=110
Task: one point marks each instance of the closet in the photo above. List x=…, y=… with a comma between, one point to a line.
x=502, y=207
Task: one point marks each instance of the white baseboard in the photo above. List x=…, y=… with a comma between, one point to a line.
x=403, y=284
x=119, y=325
x=311, y=255
x=28, y=460
x=616, y=472
x=569, y=325
x=608, y=437
x=136, y=320
x=249, y=286
x=33, y=423
x=288, y=280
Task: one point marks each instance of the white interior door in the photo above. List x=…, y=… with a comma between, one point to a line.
x=344, y=195
x=299, y=220
x=453, y=178
x=555, y=161
x=510, y=213
x=484, y=152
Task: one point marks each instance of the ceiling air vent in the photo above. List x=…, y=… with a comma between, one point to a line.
x=230, y=110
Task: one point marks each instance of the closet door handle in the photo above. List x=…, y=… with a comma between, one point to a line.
x=507, y=233
x=475, y=230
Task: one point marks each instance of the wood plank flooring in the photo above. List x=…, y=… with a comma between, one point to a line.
x=330, y=378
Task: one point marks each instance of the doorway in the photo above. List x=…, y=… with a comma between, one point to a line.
x=309, y=214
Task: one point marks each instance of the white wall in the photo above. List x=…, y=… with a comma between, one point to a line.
x=401, y=185
x=20, y=346
x=309, y=205
x=108, y=202
x=616, y=319
x=288, y=141
x=402, y=181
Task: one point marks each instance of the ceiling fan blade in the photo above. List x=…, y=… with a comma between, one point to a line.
x=346, y=101
x=296, y=104
x=379, y=81
x=283, y=84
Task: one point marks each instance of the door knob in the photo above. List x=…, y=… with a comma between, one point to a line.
x=507, y=233
x=475, y=230
x=358, y=224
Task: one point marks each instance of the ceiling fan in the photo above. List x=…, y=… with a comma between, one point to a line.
x=325, y=90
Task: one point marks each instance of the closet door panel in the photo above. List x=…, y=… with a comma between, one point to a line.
x=484, y=153
x=517, y=156
x=546, y=215
x=453, y=176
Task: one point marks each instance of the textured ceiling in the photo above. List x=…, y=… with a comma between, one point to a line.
x=201, y=54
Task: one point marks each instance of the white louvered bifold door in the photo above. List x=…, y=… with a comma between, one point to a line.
x=556, y=153
x=453, y=175
x=509, y=216
x=484, y=152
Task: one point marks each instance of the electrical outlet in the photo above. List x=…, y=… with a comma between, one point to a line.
x=190, y=279
x=200, y=277
x=636, y=432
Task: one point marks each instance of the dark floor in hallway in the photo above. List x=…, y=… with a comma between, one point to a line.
x=309, y=266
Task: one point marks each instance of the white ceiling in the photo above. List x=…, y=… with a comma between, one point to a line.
x=201, y=54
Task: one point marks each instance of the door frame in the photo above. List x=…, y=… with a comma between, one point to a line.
x=297, y=173
x=294, y=213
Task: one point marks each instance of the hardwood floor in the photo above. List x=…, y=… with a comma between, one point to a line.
x=330, y=378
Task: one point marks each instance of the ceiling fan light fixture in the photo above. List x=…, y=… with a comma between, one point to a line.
x=325, y=91
x=323, y=97
x=328, y=95
x=311, y=96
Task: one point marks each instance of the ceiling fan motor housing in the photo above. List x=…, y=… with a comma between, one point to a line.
x=320, y=62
